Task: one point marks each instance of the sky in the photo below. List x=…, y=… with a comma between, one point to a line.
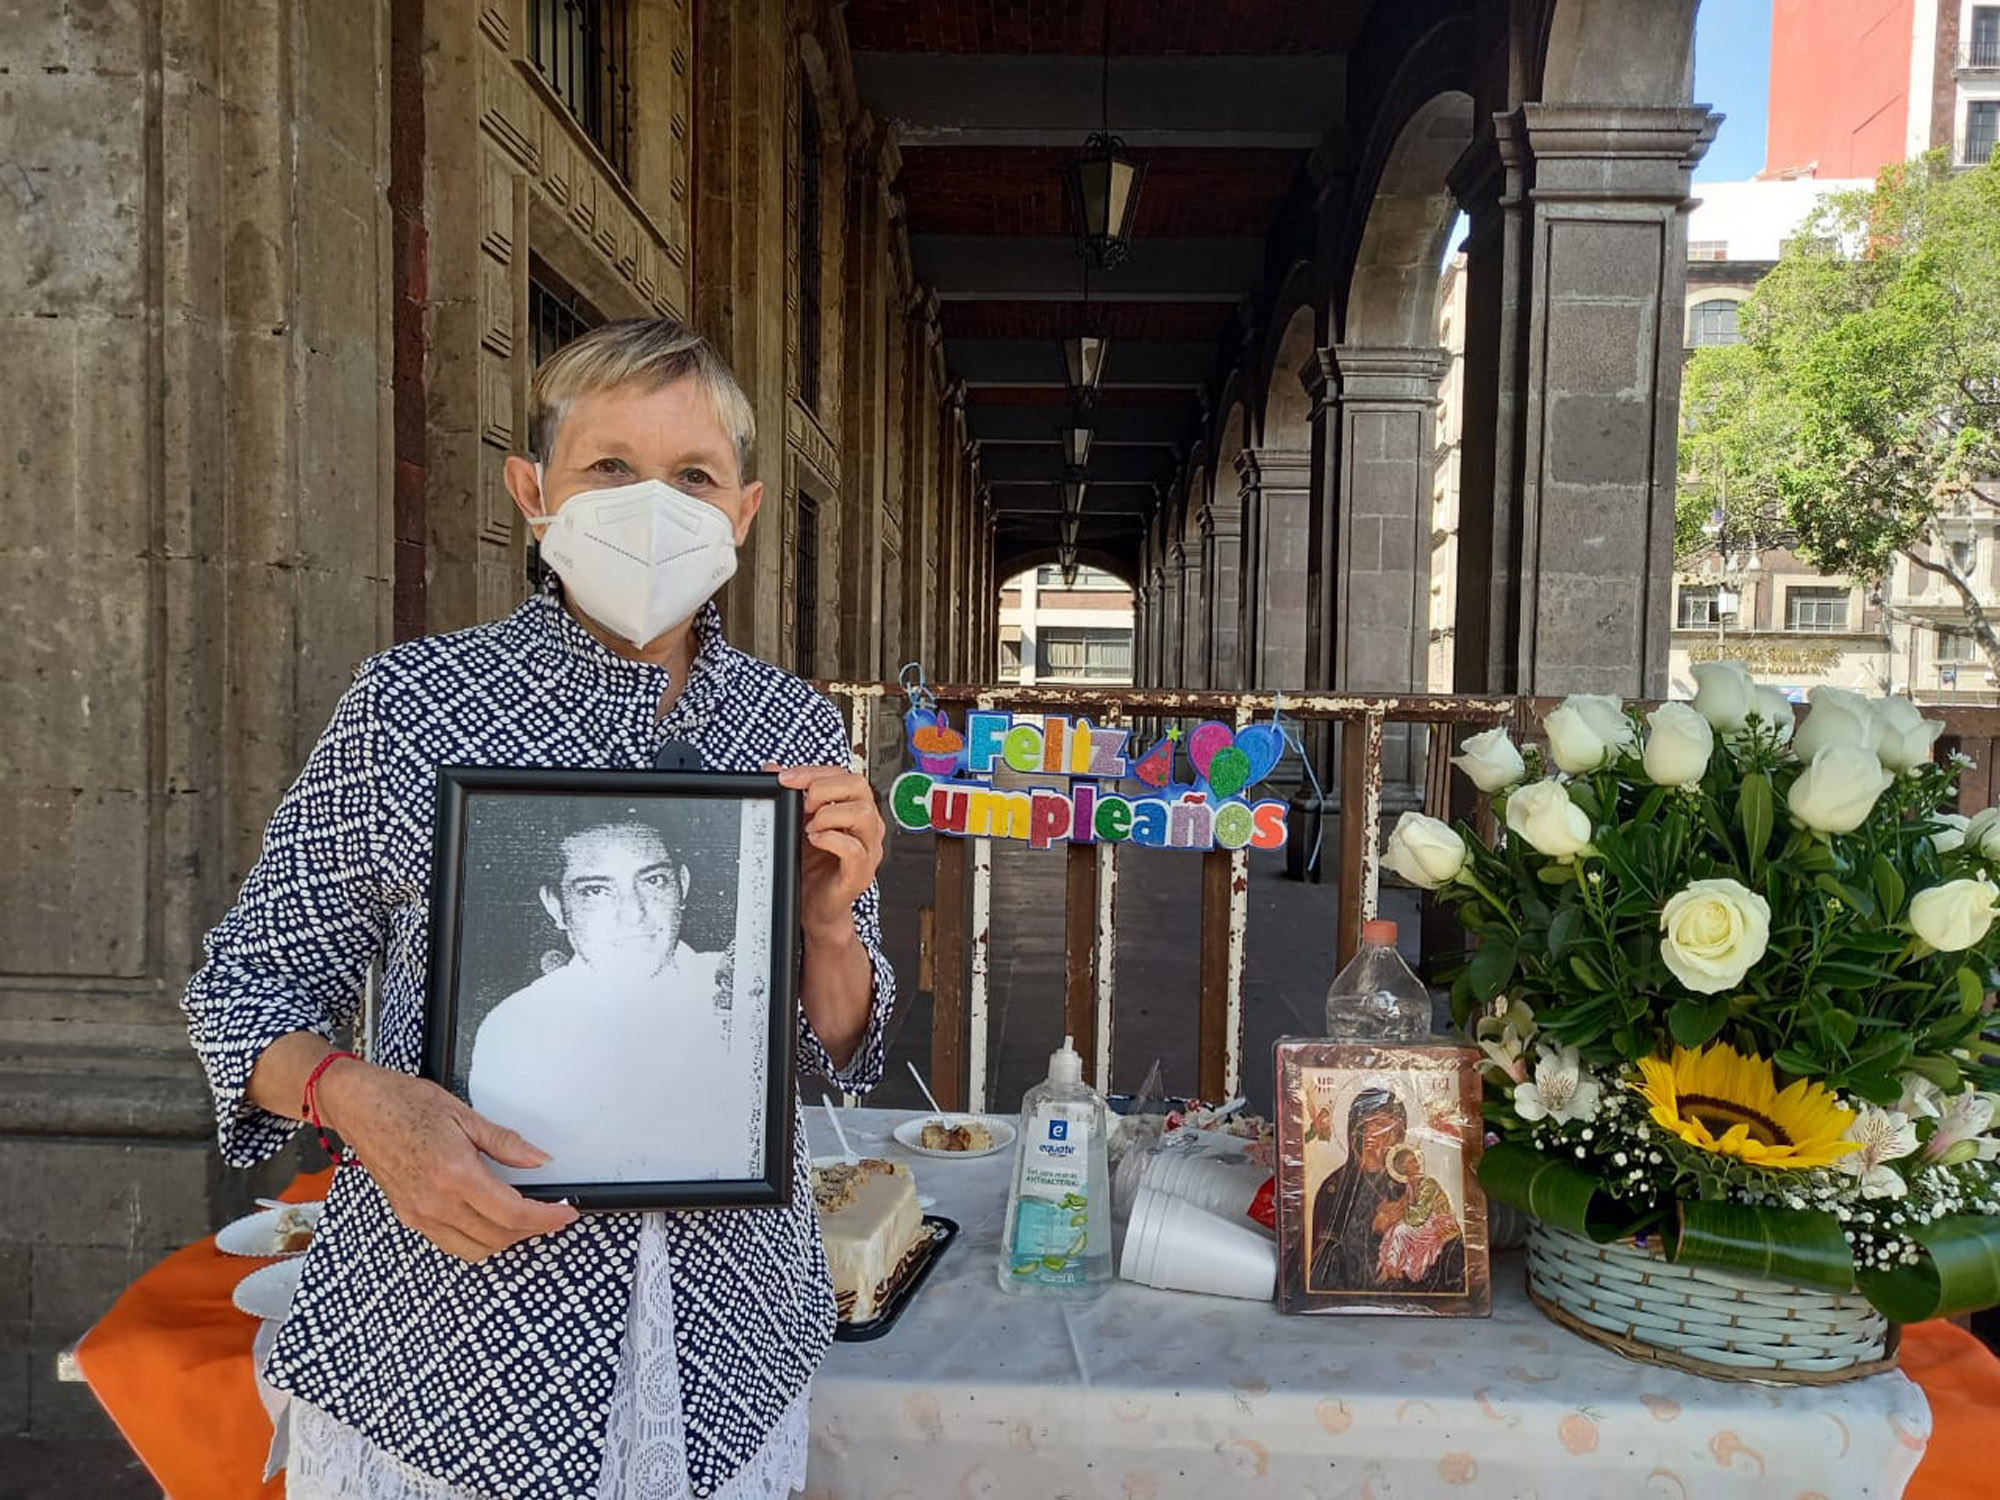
x=1732, y=74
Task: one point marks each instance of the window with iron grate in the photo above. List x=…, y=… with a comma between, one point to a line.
x=805, y=559
x=556, y=316
x=583, y=49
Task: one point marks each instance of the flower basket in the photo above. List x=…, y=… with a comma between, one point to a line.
x=1732, y=980
x=1631, y=1299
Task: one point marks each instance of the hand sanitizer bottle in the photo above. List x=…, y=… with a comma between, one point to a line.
x=1057, y=1241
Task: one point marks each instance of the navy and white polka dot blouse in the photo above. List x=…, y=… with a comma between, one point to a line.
x=496, y=1377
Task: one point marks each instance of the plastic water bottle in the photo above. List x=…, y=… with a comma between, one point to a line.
x=1376, y=997
x=1057, y=1241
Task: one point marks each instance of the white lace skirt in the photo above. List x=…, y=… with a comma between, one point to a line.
x=645, y=1457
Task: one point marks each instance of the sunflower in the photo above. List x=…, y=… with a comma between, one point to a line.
x=1716, y=1099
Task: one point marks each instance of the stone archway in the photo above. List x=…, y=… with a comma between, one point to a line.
x=1384, y=376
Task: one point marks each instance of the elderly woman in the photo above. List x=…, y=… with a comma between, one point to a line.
x=451, y=1338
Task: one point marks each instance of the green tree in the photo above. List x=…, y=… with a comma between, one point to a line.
x=1861, y=412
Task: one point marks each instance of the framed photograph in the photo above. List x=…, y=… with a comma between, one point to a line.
x=614, y=974
x=1379, y=1210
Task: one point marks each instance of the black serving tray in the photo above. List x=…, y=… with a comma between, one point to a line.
x=943, y=1232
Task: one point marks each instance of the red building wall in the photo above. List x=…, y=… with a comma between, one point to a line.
x=1840, y=82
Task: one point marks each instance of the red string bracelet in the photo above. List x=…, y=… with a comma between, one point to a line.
x=309, y=1107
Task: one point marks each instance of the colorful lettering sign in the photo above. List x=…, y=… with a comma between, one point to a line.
x=951, y=790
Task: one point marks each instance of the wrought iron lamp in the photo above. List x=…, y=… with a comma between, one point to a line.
x=1103, y=183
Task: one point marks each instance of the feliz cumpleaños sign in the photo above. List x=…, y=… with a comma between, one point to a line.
x=951, y=791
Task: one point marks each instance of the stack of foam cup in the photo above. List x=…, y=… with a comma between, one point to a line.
x=1173, y=1244
x=1222, y=1185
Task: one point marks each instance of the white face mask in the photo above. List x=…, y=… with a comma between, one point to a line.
x=638, y=558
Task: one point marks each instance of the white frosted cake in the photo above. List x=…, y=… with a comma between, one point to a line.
x=868, y=1215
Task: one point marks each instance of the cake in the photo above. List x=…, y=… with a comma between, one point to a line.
x=874, y=1233
x=968, y=1136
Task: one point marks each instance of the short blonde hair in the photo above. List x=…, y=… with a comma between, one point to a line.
x=648, y=352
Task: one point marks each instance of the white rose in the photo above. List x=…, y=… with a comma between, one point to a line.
x=1953, y=916
x=1587, y=730
x=1903, y=736
x=1949, y=834
x=1838, y=790
x=1724, y=694
x=1679, y=746
x=1982, y=833
x=1542, y=814
x=1712, y=932
x=1838, y=717
x=1491, y=761
x=1424, y=851
x=1775, y=709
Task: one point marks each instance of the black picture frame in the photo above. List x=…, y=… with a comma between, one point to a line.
x=530, y=863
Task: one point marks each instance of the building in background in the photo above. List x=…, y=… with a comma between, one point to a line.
x=1857, y=84
x=1444, y=476
x=1057, y=632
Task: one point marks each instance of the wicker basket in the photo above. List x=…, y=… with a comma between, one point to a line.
x=1632, y=1299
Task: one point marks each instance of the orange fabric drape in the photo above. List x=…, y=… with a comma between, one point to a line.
x=1961, y=1378
x=171, y=1363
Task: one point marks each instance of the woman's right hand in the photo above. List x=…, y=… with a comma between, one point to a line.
x=426, y=1150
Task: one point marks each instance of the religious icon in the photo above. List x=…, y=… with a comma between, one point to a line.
x=1378, y=1206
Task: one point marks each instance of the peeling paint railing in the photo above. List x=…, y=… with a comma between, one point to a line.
x=955, y=932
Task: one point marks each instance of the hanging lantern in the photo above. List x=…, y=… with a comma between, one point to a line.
x=1104, y=194
x=1073, y=487
x=1076, y=436
x=1083, y=364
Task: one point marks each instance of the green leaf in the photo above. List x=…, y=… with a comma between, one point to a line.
x=1889, y=887
x=1553, y=1191
x=1958, y=1271
x=1971, y=990
x=1942, y=1071
x=1556, y=874
x=1491, y=967
x=1786, y=1244
x=1753, y=810
x=1587, y=972
x=1694, y=1022
x=1563, y=930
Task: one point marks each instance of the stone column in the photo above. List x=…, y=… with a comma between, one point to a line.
x=1169, y=588
x=1222, y=594
x=1607, y=266
x=1194, y=618
x=1382, y=586
x=1274, y=497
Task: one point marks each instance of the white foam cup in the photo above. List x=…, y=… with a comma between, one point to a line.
x=1171, y=1243
x=1221, y=1186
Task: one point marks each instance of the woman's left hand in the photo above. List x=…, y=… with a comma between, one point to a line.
x=844, y=833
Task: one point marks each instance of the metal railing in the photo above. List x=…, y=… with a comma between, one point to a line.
x=955, y=932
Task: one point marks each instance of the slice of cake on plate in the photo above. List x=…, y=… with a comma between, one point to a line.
x=874, y=1232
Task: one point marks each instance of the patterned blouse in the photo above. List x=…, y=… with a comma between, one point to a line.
x=497, y=1377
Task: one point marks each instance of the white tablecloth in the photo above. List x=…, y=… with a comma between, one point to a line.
x=1147, y=1394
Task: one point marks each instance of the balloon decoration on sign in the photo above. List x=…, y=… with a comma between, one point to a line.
x=952, y=792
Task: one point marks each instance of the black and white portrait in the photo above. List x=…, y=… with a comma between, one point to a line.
x=611, y=987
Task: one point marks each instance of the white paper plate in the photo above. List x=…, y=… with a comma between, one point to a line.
x=910, y=1136
x=257, y=1234
x=267, y=1291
